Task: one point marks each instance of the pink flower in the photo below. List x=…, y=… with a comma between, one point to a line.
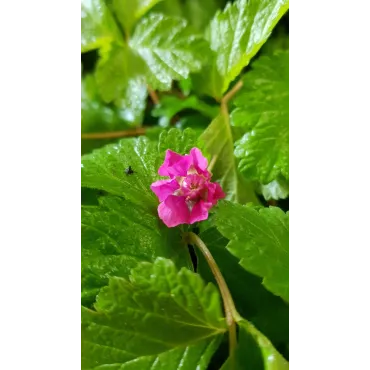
x=188, y=195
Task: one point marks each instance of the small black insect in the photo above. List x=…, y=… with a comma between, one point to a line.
x=129, y=170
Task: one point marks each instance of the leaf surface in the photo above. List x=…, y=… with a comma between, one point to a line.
x=277, y=189
x=160, y=319
x=235, y=35
x=105, y=169
x=116, y=235
x=98, y=27
x=255, y=351
x=219, y=143
x=172, y=105
x=269, y=313
x=263, y=111
x=260, y=239
x=169, y=48
x=130, y=11
x=116, y=67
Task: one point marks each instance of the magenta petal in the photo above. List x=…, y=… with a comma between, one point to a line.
x=200, y=211
x=174, y=211
x=215, y=192
x=200, y=162
x=163, y=188
x=175, y=164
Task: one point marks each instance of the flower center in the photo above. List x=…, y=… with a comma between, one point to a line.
x=194, y=187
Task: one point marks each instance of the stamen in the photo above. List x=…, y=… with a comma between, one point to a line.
x=192, y=170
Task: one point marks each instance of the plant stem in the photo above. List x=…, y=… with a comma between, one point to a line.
x=212, y=163
x=153, y=95
x=232, y=92
x=109, y=135
x=229, y=306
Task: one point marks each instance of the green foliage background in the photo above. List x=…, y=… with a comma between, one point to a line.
x=174, y=74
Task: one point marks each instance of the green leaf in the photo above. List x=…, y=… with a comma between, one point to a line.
x=186, y=86
x=130, y=11
x=169, y=48
x=196, y=122
x=279, y=39
x=98, y=27
x=104, y=169
x=219, y=142
x=171, y=8
x=255, y=351
x=260, y=239
x=236, y=35
x=209, y=81
x=263, y=110
x=199, y=13
x=118, y=234
x=178, y=141
x=133, y=103
x=160, y=319
x=269, y=313
x=116, y=66
x=97, y=116
x=277, y=189
x=169, y=106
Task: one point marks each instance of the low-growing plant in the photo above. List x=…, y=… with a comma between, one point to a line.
x=185, y=184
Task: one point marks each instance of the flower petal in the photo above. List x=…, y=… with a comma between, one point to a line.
x=163, y=188
x=200, y=211
x=175, y=164
x=200, y=162
x=215, y=192
x=174, y=211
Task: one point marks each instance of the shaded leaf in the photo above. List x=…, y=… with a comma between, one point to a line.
x=196, y=122
x=263, y=111
x=169, y=106
x=260, y=239
x=171, y=8
x=97, y=116
x=130, y=11
x=255, y=351
x=199, y=13
x=133, y=103
x=116, y=66
x=279, y=39
x=118, y=234
x=169, y=48
x=209, y=80
x=160, y=319
x=269, y=313
x=186, y=86
x=219, y=142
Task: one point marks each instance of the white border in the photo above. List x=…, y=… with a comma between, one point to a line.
x=40, y=178
x=40, y=185
x=329, y=177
